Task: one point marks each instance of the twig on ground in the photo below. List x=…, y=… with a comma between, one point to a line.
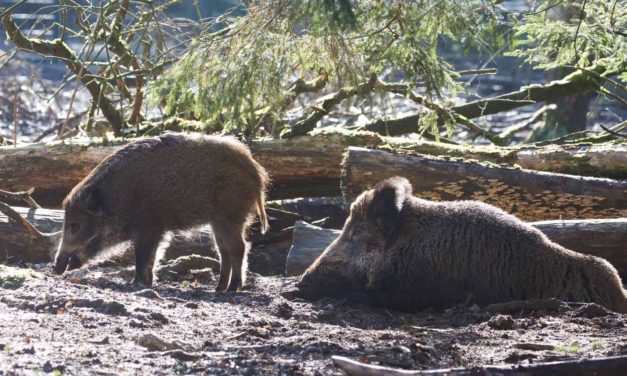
x=527, y=306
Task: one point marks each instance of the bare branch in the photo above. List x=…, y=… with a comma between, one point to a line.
x=58, y=49
x=25, y=196
x=326, y=103
x=16, y=219
x=581, y=81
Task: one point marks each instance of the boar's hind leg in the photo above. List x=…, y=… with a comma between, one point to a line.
x=145, y=251
x=232, y=248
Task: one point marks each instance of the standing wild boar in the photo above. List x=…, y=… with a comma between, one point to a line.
x=410, y=254
x=173, y=182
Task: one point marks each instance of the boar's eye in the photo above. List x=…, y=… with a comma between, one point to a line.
x=73, y=225
x=355, y=231
x=324, y=270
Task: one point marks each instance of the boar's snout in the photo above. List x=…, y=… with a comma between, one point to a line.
x=309, y=281
x=61, y=264
x=69, y=262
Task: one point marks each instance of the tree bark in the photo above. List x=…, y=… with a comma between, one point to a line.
x=612, y=366
x=530, y=195
x=308, y=166
x=605, y=160
x=604, y=238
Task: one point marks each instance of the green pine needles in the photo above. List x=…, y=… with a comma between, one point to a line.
x=247, y=76
x=243, y=75
x=591, y=32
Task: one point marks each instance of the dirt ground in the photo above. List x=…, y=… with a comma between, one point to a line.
x=92, y=321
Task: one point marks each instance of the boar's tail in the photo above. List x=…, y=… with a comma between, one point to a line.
x=261, y=211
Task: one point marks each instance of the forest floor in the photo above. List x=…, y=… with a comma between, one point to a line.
x=92, y=321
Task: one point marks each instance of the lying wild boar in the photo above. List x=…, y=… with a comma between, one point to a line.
x=410, y=254
x=168, y=183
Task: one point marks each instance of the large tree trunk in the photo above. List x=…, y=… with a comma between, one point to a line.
x=530, y=195
x=299, y=167
x=604, y=238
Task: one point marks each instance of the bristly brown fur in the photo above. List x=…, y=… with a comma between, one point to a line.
x=168, y=183
x=409, y=253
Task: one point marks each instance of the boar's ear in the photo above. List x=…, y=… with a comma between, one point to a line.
x=94, y=201
x=387, y=202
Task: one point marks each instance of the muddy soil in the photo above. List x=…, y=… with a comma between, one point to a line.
x=92, y=321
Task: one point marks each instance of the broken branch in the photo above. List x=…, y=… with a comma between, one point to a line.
x=327, y=103
x=16, y=219
x=24, y=196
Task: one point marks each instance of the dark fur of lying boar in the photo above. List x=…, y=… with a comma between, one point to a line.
x=408, y=253
x=168, y=183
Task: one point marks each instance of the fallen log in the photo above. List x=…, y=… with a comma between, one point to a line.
x=18, y=245
x=327, y=212
x=604, y=238
x=609, y=161
x=308, y=166
x=308, y=242
x=530, y=195
x=611, y=366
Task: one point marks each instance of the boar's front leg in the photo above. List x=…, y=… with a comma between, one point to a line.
x=146, y=245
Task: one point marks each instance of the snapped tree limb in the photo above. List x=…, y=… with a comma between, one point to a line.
x=325, y=106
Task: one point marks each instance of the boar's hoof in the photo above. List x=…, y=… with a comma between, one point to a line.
x=235, y=285
x=233, y=288
x=64, y=263
x=74, y=263
x=221, y=287
x=142, y=282
x=60, y=266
